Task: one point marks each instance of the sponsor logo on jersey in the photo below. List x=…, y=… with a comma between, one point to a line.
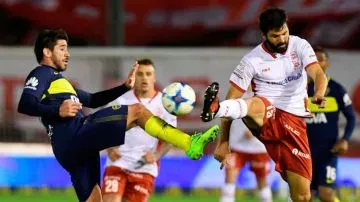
x=295, y=60
x=297, y=152
x=32, y=83
x=116, y=107
x=141, y=189
x=347, y=100
x=286, y=80
x=287, y=126
x=318, y=118
x=240, y=70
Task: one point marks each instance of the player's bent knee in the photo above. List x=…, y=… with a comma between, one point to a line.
x=326, y=196
x=256, y=108
x=306, y=197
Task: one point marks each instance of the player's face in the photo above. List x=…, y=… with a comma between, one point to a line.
x=322, y=59
x=278, y=39
x=60, y=55
x=145, y=78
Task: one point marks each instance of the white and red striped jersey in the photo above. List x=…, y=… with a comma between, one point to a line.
x=281, y=78
x=137, y=141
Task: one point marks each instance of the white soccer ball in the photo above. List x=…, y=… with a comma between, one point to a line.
x=178, y=98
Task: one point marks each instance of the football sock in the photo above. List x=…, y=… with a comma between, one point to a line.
x=234, y=109
x=265, y=194
x=160, y=129
x=228, y=193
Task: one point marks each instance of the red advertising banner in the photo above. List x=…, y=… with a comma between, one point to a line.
x=194, y=22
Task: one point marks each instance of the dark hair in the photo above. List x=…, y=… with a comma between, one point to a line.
x=272, y=18
x=145, y=61
x=321, y=49
x=47, y=39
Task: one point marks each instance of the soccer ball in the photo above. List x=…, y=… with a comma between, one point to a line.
x=178, y=98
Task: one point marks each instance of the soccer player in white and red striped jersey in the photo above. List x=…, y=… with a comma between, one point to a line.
x=131, y=168
x=277, y=70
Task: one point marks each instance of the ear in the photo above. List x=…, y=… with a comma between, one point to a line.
x=263, y=36
x=47, y=52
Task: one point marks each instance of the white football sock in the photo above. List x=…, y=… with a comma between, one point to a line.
x=265, y=194
x=234, y=109
x=228, y=193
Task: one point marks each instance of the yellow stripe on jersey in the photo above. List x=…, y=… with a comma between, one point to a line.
x=330, y=106
x=60, y=86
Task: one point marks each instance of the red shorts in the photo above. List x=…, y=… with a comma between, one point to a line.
x=130, y=185
x=259, y=163
x=284, y=136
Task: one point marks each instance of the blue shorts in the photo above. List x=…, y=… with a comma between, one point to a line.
x=100, y=130
x=324, y=170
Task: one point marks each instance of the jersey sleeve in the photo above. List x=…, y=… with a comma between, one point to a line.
x=344, y=99
x=307, y=54
x=242, y=75
x=84, y=97
x=37, y=83
x=30, y=101
x=345, y=105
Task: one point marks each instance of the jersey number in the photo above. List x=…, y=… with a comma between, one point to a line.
x=111, y=186
x=330, y=174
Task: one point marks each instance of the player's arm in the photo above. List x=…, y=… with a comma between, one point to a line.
x=342, y=144
x=314, y=71
x=320, y=81
x=94, y=100
x=350, y=122
x=348, y=111
x=162, y=150
x=113, y=153
x=30, y=100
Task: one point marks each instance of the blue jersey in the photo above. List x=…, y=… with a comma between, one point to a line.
x=76, y=141
x=323, y=128
x=44, y=91
x=49, y=89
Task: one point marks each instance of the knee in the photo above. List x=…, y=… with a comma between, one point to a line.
x=305, y=197
x=326, y=197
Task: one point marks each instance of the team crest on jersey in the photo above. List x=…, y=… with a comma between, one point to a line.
x=116, y=107
x=32, y=83
x=295, y=60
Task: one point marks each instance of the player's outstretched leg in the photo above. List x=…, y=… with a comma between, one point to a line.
x=251, y=110
x=193, y=146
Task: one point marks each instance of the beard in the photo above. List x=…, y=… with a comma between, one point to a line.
x=277, y=48
x=58, y=65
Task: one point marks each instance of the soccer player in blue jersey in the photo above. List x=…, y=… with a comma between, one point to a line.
x=323, y=132
x=76, y=139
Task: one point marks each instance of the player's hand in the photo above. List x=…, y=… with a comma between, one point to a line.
x=113, y=153
x=340, y=147
x=150, y=158
x=319, y=100
x=221, y=150
x=130, y=81
x=69, y=108
x=248, y=135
